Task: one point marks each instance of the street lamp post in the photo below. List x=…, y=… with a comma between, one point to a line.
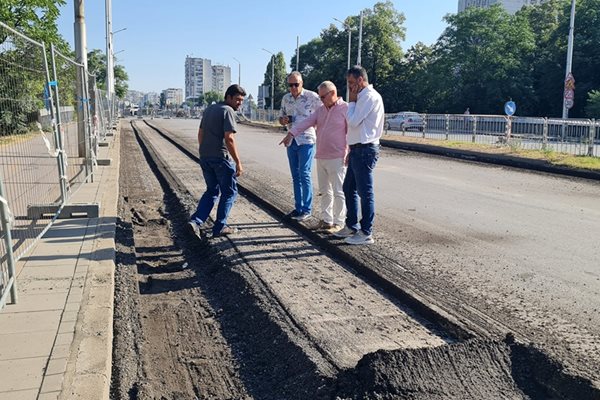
x=239, y=71
x=358, y=61
x=272, y=79
x=349, y=48
x=569, y=66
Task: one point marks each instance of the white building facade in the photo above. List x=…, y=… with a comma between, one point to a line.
x=173, y=96
x=512, y=6
x=198, y=77
x=201, y=77
x=221, y=78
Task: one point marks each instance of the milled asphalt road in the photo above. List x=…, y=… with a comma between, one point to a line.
x=521, y=244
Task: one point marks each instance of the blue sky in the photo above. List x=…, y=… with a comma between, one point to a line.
x=160, y=34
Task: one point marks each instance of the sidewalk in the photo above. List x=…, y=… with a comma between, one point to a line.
x=56, y=342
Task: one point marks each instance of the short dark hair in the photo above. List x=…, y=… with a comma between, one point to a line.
x=234, y=90
x=358, y=71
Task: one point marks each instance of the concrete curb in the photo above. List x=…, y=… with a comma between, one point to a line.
x=88, y=373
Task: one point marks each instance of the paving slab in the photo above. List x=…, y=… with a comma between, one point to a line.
x=56, y=342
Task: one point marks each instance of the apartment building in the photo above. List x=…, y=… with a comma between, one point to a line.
x=201, y=77
x=221, y=78
x=173, y=96
x=198, y=77
x=512, y=6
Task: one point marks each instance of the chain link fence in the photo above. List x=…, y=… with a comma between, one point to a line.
x=49, y=128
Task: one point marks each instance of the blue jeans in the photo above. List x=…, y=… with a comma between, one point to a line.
x=300, y=159
x=359, y=183
x=219, y=176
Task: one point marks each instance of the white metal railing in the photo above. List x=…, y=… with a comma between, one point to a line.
x=572, y=136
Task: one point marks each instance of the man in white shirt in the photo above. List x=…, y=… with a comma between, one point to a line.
x=296, y=106
x=365, y=119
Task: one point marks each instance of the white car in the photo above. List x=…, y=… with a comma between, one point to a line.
x=405, y=121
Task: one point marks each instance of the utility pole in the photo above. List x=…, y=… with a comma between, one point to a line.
x=349, y=48
x=239, y=71
x=110, y=88
x=272, y=79
x=81, y=58
x=569, y=66
x=358, y=61
x=297, y=52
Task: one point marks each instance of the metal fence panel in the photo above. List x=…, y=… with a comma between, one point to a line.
x=72, y=122
x=571, y=136
x=28, y=156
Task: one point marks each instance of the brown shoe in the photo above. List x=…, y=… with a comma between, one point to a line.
x=334, y=229
x=323, y=226
x=227, y=230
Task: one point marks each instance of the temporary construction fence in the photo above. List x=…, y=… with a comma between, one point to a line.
x=571, y=136
x=49, y=130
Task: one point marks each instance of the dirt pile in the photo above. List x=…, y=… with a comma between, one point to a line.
x=476, y=369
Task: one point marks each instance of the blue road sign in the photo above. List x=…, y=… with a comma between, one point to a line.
x=510, y=107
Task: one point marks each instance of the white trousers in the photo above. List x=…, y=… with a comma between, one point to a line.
x=331, y=175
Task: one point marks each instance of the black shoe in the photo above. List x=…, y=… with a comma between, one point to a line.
x=293, y=215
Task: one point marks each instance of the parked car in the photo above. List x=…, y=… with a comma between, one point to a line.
x=405, y=121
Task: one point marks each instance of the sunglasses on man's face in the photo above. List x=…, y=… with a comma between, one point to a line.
x=293, y=84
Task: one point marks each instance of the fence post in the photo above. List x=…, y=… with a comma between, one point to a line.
x=545, y=134
x=55, y=114
x=592, y=135
x=474, y=130
x=85, y=105
x=447, y=125
x=424, y=124
x=10, y=257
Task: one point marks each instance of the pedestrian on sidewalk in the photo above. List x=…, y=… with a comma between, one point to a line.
x=331, y=128
x=365, y=119
x=296, y=106
x=220, y=161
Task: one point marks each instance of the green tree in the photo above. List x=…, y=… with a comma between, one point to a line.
x=325, y=57
x=592, y=108
x=411, y=81
x=97, y=66
x=35, y=19
x=481, y=61
x=212, y=96
x=280, y=80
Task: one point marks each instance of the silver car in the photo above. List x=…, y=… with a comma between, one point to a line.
x=405, y=121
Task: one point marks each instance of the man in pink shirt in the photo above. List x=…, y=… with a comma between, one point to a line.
x=330, y=123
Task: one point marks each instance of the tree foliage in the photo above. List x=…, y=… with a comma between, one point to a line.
x=326, y=57
x=592, y=108
x=483, y=58
x=35, y=19
x=97, y=66
x=212, y=96
x=280, y=79
x=22, y=64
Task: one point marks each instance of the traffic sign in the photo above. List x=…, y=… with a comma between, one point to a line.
x=510, y=107
x=570, y=82
x=569, y=94
x=569, y=103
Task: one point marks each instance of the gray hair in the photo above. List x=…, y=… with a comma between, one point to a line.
x=327, y=85
x=296, y=74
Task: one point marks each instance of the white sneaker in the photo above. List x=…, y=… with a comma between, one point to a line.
x=360, y=238
x=194, y=227
x=344, y=232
